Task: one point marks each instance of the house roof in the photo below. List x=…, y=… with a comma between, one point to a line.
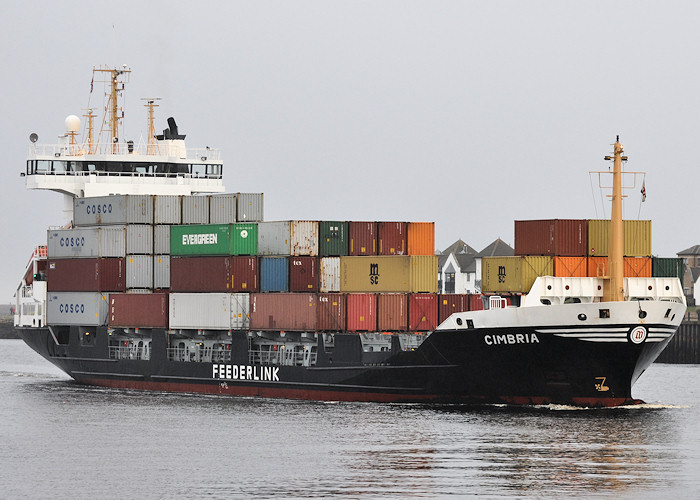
x=459, y=246
x=498, y=248
x=695, y=273
x=467, y=262
x=694, y=250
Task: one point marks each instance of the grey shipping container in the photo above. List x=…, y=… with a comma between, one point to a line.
x=115, y=209
x=139, y=239
x=86, y=242
x=167, y=209
x=274, y=238
x=195, y=209
x=249, y=207
x=161, y=239
x=304, y=235
x=329, y=280
x=222, y=208
x=77, y=308
x=240, y=311
x=139, y=271
x=205, y=311
x=161, y=271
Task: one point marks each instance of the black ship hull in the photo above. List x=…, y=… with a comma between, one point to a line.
x=523, y=365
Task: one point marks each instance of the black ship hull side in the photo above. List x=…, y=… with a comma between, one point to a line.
x=449, y=367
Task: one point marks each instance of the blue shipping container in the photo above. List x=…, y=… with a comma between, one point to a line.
x=274, y=274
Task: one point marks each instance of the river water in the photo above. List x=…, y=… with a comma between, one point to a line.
x=62, y=440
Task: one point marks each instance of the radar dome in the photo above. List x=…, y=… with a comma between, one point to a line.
x=72, y=123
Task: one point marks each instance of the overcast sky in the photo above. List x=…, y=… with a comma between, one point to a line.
x=469, y=114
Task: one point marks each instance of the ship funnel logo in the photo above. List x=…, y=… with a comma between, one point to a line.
x=638, y=335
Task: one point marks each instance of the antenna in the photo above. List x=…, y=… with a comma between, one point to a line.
x=152, y=147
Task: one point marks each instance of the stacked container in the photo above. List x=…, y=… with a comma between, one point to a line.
x=222, y=267
x=577, y=248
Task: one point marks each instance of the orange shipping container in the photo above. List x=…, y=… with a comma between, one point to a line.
x=638, y=267
x=634, y=267
x=571, y=267
x=421, y=238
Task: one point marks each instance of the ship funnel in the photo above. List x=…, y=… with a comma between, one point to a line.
x=171, y=131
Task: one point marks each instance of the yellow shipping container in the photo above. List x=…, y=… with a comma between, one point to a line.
x=513, y=274
x=424, y=273
x=375, y=273
x=500, y=274
x=637, y=237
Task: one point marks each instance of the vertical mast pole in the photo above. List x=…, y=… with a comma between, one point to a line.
x=113, y=120
x=614, y=291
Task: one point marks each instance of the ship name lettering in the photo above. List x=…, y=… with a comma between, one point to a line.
x=200, y=239
x=246, y=372
x=511, y=338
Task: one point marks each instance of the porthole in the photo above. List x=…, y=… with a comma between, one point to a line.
x=582, y=317
x=459, y=321
x=642, y=314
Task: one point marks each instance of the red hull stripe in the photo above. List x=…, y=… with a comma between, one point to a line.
x=330, y=395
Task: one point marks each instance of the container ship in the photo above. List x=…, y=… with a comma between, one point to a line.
x=160, y=280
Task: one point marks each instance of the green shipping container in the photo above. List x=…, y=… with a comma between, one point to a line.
x=333, y=238
x=637, y=238
x=200, y=239
x=667, y=267
x=244, y=238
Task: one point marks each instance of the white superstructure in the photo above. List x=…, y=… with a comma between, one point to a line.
x=109, y=165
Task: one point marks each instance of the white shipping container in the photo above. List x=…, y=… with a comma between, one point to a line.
x=249, y=207
x=240, y=311
x=77, y=308
x=274, y=238
x=198, y=311
x=139, y=239
x=161, y=239
x=304, y=237
x=114, y=209
x=161, y=271
x=167, y=209
x=195, y=209
x=330, y=274
x=222, y=209
x=139, y=271
x=86, y=242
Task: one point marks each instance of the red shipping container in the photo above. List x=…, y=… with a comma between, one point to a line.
x=562, y=237
x=244, y=274
x=138, y=310
x=422, y=311
x=392, y=238
x=361, y=312
x=86, y=275
x=283, y=311
x=330, y=312
x=392, y=312
x=214, y=274
x=303, y=274
x=363, y=238
x=476, y=302
x=450, y=303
